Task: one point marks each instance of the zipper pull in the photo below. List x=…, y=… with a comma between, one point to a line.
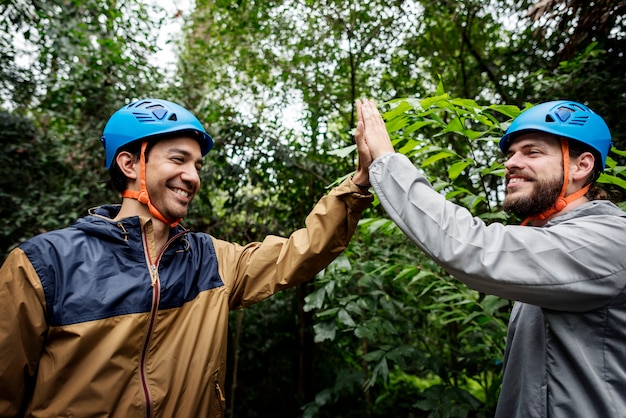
x=153, y=274
x=220, y=394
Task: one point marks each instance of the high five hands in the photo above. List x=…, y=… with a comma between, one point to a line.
x=372, y=139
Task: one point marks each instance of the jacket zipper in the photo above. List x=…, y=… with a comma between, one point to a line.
x=156, y=298
x=144, y=352
x=220, y=397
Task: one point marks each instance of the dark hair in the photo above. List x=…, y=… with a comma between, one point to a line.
x=118, y=180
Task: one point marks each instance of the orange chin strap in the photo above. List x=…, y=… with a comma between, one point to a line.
x=142, y=195
x=562, y=201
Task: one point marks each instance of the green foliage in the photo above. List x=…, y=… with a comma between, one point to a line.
x=243, y=64
x=275, y=84
x=585, y=78
x=455, y=141
x=66, y=67
x=415, y=339
x=411, y=337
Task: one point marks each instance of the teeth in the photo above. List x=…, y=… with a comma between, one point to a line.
x=181, y=192
x=517, y=180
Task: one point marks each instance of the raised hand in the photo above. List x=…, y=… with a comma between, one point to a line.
x=377, y=141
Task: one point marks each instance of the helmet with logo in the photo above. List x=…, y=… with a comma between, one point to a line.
x=149, y=119
x=563, y=118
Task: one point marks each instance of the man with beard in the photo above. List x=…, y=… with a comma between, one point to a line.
x=565, y=353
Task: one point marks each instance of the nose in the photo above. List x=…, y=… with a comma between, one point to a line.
x=513, y=160
x=191, y=176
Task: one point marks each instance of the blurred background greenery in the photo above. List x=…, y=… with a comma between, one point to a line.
x=383, y=331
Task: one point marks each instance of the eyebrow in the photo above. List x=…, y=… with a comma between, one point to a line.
x=187, y=154
x=531, y=143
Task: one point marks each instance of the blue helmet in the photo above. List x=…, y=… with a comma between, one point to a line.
x=150, y=119
x=568, y=119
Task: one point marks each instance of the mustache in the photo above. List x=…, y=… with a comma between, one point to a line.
x=518, y=173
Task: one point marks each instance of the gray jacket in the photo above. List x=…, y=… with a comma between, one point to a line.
x=566, y=344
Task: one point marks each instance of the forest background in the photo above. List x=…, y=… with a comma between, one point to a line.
x=383, y=331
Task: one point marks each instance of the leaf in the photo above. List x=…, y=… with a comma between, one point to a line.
x=363, y=331
x=439, y=156
x=343, y=152
x=418, y=125
x=457, y=168
x=324, y=331
x=314, y=300
x=466, y=103
x=345, y=318
x=456, y=125
x=409, y=146
x=429, y=101
x=375, y=355
x=396, y=123
x=496, y=169
x=507, y=110
x=609, y=179
x=327, y=312
x=492, y=303
x=621, y=153
x=407, y=272
x=397, y=111
x=374, y=225
x=472, y=200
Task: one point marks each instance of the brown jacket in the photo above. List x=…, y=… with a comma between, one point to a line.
x=89, y=328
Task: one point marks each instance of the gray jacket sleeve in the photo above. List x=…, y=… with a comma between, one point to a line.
x=577, y=263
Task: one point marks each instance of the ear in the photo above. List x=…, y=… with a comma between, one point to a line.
x=582, y=167
x=128, y=164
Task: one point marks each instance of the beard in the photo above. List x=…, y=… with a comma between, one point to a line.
x=542, y=197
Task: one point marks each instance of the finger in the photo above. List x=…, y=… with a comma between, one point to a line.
x=376, y=135
x=361, y=141
x=364, y=154
x=371, y=117
x=359, y=110
x=360, y=132
x=374, y=115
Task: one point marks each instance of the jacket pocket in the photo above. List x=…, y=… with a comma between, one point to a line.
x=220, y=400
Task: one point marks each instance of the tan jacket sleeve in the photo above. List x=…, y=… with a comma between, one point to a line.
x=23, y=327
x=258, y=270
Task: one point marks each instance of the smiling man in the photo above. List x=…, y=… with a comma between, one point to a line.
x=125, y=313
x=565, y=354
x=533, y=183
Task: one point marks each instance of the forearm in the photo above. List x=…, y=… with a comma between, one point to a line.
x=261, y=269
x=560, y=267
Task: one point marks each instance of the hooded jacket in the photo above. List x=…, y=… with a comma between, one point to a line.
x=90, y=325
x=565, y=355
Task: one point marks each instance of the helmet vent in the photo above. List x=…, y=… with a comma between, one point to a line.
x=147, y=117
x=173, y=117
x=563, y=113
x=566, y=114
x=579, y=120
x=155, y=113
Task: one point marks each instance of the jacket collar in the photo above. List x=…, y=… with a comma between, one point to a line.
x=100, y=222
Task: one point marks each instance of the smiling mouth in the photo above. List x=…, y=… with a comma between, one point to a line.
x=517, y=180
x=180, y=192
